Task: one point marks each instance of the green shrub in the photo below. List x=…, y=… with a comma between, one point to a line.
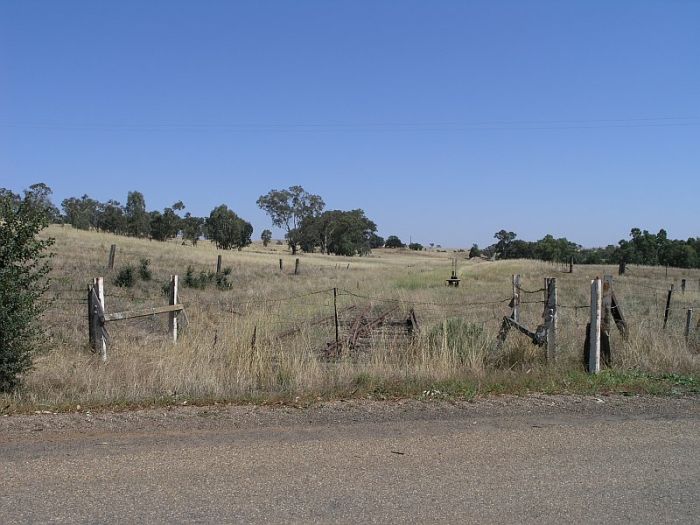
x=24, y=267
x=222, y=282
x=125, y=277
x=201, y=280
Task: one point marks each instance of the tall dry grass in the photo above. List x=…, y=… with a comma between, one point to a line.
x=215, y=358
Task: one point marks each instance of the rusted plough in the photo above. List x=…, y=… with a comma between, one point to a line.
x=361, y=327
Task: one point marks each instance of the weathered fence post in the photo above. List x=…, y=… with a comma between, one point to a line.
x=594, y=327
x=92, y=340
x=551, y=318
x=571, y=265
x=683, y=286
x=218, y=264
x=335, y=314
x=172, y=321
x=515, y=315
x=112, y=254
x=100, y=342
x=296, y=267
x=280, y=265
x=667, y=310
x=688, y=320
x=621, y=268
x=606, y=314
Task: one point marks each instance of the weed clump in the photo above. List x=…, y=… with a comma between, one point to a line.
x=202, y=279
x=125, y=278
x=144, y=271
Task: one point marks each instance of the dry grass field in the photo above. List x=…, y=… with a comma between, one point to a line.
x=263, y=338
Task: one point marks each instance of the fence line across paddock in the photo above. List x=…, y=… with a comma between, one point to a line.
x=313, y=309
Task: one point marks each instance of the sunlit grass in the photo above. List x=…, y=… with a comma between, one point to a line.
x=216, y=360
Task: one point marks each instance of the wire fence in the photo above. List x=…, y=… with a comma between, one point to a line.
x=315, y=308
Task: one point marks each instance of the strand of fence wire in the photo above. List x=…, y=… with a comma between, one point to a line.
x=523, y=290
x=342, y=292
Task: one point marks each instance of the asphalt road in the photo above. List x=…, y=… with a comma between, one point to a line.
x=542, y=460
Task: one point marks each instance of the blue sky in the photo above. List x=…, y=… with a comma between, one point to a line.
x=444, y=121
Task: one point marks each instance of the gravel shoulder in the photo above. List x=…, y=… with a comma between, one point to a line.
x=498, y=411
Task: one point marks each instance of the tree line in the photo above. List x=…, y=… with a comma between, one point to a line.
x=643, y=247
x=309, y=227
x=302, y=215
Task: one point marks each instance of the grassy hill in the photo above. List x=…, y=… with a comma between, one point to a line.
x=262, y=335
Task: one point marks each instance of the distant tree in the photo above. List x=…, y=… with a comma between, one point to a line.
x=504, y=240
x=24, y=265
x=137, y=218
x=416, y=246
x=375, y=241
x=393, y=242
x=39, y=196
x=81, y=213
x=165, y=225
x=266, y=237
x=474, y=251
x=110, y=217
x=288, y=208
x=192, y=228
x=227, y=229
x=338, y=232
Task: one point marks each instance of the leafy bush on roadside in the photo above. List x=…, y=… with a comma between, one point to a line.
x=24, y=265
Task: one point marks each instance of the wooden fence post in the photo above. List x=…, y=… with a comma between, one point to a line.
x=551, y=319
x=594, y=329
x=621, y=268
x=335, y=314
x=571, y=265
x=667, y=310
x=296, y=267
x=92, y=339
x=683, y=286
x=606, y=322
x=280, y=265
x=98, y=332
x=688, y=320
x=112, y=254
x=515, y=315
x=172, y=324
x=218, y=264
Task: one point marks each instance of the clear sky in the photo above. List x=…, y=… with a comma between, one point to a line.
x=445, y=121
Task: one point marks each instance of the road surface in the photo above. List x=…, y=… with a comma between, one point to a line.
x=506, y=460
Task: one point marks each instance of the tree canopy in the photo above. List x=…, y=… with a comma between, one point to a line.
x=227, y=229
x=288, y=208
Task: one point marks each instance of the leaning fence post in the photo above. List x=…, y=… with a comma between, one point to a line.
x=218, y=264
x=515, y=315
x=606, y=315
x=667, y=310
x=172, y=324
x=688, y=320
x=594, y=330
x=112, y=254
